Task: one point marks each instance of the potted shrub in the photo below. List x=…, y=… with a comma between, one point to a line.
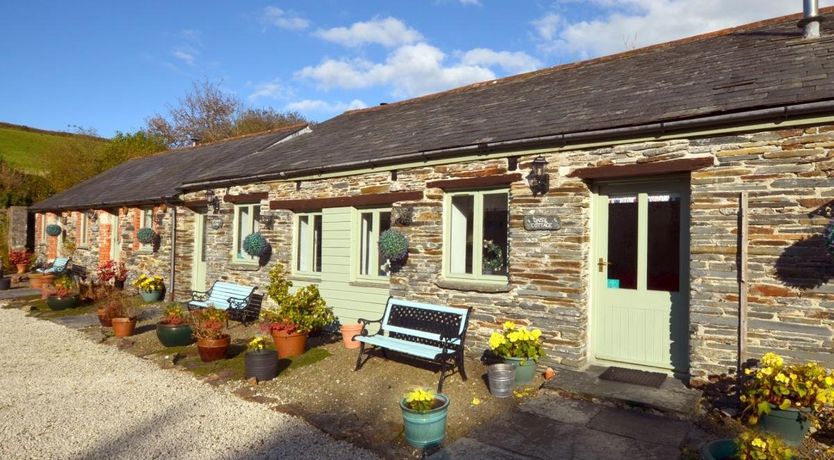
x=53, y=230
x=393, y=245
x=173, y=329
x=150, y=287
x=259, y=361
x=295, y=316
x=122, y=315
x=749, y=445
x=64, y=295
x=255, y=244
x=786, y=399
x=146, y=235
x=424, y=417
x=112, y=271
x=20, y=259
x=209, y=328
x=520, y=347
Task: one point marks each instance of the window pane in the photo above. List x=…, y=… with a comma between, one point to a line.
x=303, y=239
x=622, y=242
x=256, y=214
x=317, y=237
x=204, y=238
x=242, y=230
x=460, y=236
x=366, y=230
x=384, y=224
x=494, y=256
x=663, y=256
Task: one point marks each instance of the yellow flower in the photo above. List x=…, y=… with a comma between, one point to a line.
x=513, y=336
x=475, y=401
x=536, y=333
x=829, y=381
x=508, y=325
x=496, y=340
x=759, y=443
x=780, y=377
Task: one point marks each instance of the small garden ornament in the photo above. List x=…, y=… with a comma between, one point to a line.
x=424, y=417
x=520, y=347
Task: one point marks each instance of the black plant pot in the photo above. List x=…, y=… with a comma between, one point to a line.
x=261, y=364
x=5, y=283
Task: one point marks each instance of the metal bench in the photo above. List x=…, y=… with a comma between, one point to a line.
x=58, y=267
x=250, y=313
x=223, y=295
x=430, y=332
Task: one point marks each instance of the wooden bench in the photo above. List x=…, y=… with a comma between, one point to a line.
x=58, y=267
x=223, y=295
x=430, y=332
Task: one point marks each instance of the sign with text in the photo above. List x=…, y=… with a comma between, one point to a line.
x=537, y=222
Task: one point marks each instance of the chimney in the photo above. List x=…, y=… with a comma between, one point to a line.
x=195, y=141
x=811, y=18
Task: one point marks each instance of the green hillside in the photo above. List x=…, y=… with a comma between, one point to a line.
x=24, y=148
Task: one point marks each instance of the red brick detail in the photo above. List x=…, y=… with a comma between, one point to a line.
x=104, y=242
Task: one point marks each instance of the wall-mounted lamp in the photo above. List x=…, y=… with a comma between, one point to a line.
x=213, y=201
x=159, y=217
x=267, y=220
x=404, y=215
x=64, y=219
x=539, y=179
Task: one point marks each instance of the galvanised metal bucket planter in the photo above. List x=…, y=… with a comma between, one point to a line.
x=174, y=335
x=722, y=449
x=151, y=296
x=524, y=373
x=501, y=380
x=426, y=429
x=261, y=364
x=791, y=425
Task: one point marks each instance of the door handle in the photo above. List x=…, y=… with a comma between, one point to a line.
x=602, y=264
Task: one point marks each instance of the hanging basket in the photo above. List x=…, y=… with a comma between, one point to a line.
x=53, y=229
x=829, y=237
x=145, y=235
x=255, y=244
x=393, y=245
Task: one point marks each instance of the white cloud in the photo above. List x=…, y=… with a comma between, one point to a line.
x=471, y=2
x=184, y=56
x=627, y=24
x=271, y=90
x=319, y=106
x=515, y=62
x=284, y=19
x=388, y=32
x=410, y=70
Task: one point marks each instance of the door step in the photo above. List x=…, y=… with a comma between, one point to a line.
x=634, y=377
x=672, y=398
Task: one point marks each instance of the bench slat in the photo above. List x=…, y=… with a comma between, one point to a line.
x=416, y=333
x=404, y=346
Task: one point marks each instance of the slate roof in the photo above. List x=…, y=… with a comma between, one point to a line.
x=155, y=179
x=764, y=64
x=759, y=65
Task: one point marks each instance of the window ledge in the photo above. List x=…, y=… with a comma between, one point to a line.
x=305, y=278
x=473, y=286
x=242, y=266
x=371, y=284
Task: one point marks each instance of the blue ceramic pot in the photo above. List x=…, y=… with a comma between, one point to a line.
x=722, y=449
x=151, y=296
x=425, y=429
x=790, y=425
x=524, y=373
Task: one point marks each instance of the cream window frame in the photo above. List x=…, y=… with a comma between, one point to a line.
x=145, y=220
x=477, y=236
x=356, y=250
x=237, y=252
x=83, y=239
x=314, y=246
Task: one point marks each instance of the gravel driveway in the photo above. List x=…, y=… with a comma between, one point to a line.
x=62, y=396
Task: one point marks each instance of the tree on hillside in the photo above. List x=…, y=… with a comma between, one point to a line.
x=209, y=114
x=72, y=162
x=21, y=189
x=127, y=146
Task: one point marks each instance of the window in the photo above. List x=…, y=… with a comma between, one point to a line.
x=475, y=237
x=145, y=221
x=82, y=229
x=246, y=223
x=308, y=243
x=371, y=224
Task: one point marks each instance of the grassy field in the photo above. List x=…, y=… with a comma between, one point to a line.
x=24, y=148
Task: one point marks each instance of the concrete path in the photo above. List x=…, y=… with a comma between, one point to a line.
x=62, y=396
x=16, y=293
x=549, y=426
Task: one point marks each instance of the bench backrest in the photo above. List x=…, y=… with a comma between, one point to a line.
x=423, y=322
x=221, y=291
x=60, y=263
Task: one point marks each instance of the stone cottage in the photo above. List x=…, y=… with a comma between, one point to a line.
x=603, y=202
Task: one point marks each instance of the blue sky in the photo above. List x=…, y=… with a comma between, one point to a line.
x=111, y=65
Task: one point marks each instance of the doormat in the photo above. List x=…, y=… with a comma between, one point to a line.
x=635, y=377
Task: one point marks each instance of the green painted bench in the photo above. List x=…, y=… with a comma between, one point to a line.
x=223, y=295
x=429, y=332
x=59, y=265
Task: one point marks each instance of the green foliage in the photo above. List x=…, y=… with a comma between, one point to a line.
x=255, y=244
x=493, y=256
x=53, y=230
x=754, y=445
x=420, y=400
x=393, y=245
x=25, y=149
x=209, y=323
x=20, y=189
x=128, y=146
x=517, y=342
x=828, y=234
x=145, y=235
x=174, y=314
x=305, y=310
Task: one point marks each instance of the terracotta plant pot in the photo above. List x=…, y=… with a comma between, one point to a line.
x=173, y=335
x=21, y=268
x=213, y=349
x=288, y=345
x=35, y=281
x=123, y=327
x=103, y=318
x=348, y=331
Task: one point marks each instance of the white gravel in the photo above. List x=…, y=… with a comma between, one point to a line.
x=62, y=396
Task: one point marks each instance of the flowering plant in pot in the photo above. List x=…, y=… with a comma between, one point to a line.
x=112, y=271
x=208, y=326
x=173, y=329
x=295, y=316
x=786, y=399
x=63, y=295
x=520, y=347
x=749, y=445
x=259, y=361
x=123, y=315
x=20, y=259
x=424, y=417
x=150, y=287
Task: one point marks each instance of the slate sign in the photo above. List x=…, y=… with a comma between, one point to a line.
x=541, y=222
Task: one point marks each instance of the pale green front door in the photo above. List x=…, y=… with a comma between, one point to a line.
x=198, y=272
x=640, y=275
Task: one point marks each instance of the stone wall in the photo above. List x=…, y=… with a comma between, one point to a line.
x=18, y=227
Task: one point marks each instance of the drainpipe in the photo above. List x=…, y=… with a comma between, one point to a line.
x=173, y=250
x=811, y=19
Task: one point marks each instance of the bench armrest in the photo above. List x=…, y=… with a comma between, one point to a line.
x=365, y=323
x=238, y=302
x=200, y=295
